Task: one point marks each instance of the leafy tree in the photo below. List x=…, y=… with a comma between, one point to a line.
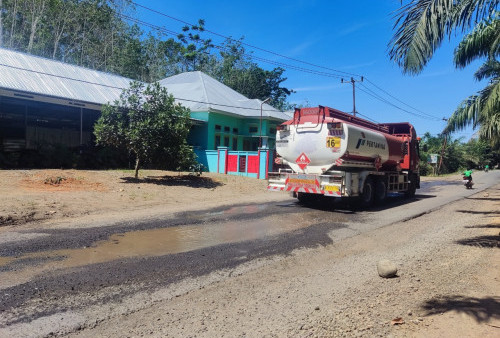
x=453, y=155
x=477, y=153
x=147, y=122
x=94, y=34
x=237, y=71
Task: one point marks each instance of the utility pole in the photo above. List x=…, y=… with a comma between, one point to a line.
x=353, y=82
x=442, y=149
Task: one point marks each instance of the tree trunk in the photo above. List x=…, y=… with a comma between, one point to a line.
x=13, y=24
x=1, y=25
x=36, y=15
x=136, y=175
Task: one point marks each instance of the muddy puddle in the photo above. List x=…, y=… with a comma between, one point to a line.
x=154, y=242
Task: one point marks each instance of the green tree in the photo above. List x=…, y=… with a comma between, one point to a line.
x=237, y=71
x=147, y=122
x=452, y=157
x=482, y=109
x=477, y=153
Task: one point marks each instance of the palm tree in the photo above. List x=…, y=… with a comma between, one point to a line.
x=422, y=25
x=482, y=109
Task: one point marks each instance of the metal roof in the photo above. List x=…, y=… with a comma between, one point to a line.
x=195, y=90
x=33, y=74
x=200, y=92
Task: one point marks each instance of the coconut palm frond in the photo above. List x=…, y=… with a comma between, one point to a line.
x=469, y=12
x=421, y=25
x=479, y=110
x=483, y=41
x=420, y=28
x=491, y=68
x=466, y=114
x=491, y=99
x=490, y=129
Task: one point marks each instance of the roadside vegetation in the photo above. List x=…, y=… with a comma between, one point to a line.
x=454, y=155
x=147, y=123
x=105, y=36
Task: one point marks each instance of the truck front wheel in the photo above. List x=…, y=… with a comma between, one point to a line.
x=368, y=192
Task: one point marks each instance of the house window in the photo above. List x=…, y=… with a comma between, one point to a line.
x=246, y=145
x=226, y=141
x=217, y=141
x=235, y=143
x=235, y=130
x=272, y=131
x=227, y=129
x=217, y=127
x=253, y=129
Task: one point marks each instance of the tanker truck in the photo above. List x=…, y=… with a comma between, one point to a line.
x=326, y=152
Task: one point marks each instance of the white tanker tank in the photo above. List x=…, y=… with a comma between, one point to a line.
x=334, y=153
x=317, y=139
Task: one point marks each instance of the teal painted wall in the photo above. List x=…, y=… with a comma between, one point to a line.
x=235, y=132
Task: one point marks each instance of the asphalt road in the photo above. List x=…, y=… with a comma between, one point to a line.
x=70, y=270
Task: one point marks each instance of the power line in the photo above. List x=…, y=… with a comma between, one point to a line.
x=243, y=43
x=283, y=64
x=395, y=98
x=276, y=63
x=370, y=92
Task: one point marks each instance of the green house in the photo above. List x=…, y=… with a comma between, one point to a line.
x=43, y=101
x=223, y=117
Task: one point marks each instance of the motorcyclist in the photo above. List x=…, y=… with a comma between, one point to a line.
x=486, y=168
x=468, y=175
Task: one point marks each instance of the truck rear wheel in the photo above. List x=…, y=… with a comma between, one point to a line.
x=368, y=192
x=412, y=187
x=380, y=191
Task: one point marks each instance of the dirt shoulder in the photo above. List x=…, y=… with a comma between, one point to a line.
x=34, y=198
x=47, y=198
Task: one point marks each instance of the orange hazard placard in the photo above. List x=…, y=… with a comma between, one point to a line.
x=302, y=161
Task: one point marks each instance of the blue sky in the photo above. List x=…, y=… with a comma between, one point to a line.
x=349, y=36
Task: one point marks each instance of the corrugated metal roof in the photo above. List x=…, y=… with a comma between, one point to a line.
x=28, y=73
x=195, y=90
x=203, y=93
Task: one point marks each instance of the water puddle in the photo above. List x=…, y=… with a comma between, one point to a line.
x=244, y=209
x=154, y=242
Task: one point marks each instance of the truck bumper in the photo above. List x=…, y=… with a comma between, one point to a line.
x=328, y=185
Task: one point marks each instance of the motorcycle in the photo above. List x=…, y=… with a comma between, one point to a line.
x=467, y=182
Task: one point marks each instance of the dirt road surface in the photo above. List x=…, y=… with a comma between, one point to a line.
x=447, y=254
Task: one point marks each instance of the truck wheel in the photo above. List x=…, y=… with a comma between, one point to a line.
x=380, y=191
x=412, y=187
x=368, y=192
